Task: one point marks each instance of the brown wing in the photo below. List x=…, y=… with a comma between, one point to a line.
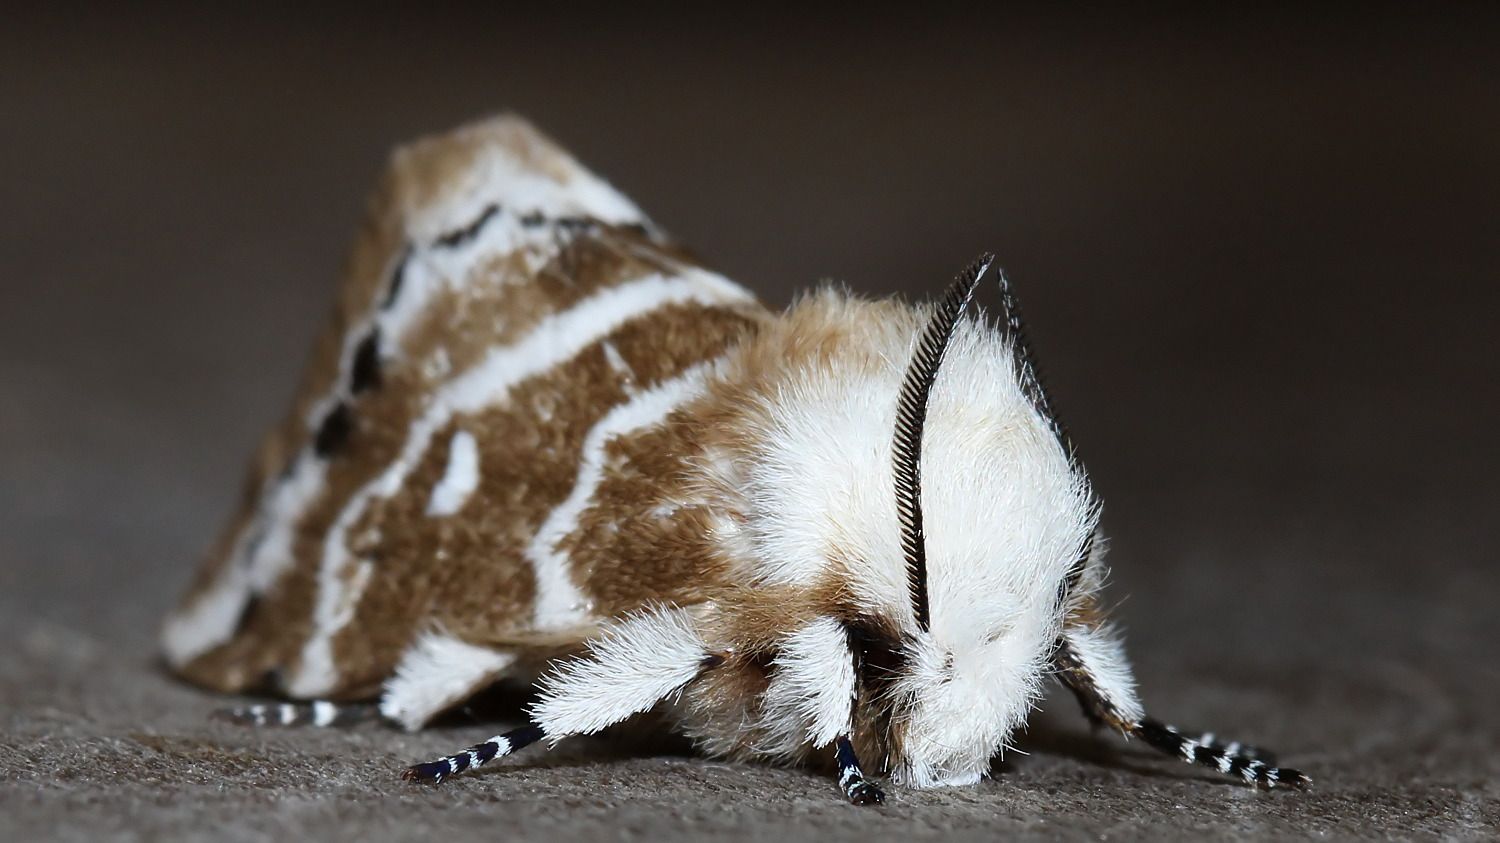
x=506, y=317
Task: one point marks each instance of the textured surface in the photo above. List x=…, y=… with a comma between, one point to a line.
x=1252, y=253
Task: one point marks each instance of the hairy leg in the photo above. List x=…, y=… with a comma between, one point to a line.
x=475, y=756
x=1092, y=665
x=628, y=670
x=857, y=789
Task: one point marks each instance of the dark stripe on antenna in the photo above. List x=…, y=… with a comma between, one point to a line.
x=1026, y=370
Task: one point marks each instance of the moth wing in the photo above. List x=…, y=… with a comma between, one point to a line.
x=500, y=302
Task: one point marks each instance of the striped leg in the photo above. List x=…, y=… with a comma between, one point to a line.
x=1231, y=758
x=1254, y=753
x=318, y=713
x=857, y=789
x=475, y=756
x=1099, y=677
x=633, y=665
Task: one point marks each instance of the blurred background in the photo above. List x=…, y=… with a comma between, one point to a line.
x=1258, y=255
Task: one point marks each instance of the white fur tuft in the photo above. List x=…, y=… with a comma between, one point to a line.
x=811, y=693
x=1102, y=653
x=438, y=671
x=631, y=667
x=1005, y=516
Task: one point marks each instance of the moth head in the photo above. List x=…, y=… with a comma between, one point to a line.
x=911, y=466
x=996, y=520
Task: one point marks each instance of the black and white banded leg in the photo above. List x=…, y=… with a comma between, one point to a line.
x=475, y=756
x=1111, y=701
x=1232, y=758
x=641, y=661
x=1254, y=753
x=857, y=789
x=318, y=713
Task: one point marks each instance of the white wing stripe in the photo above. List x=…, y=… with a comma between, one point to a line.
x=460, y=479
x=559, y=603
x=555, y=340
x=255, y=564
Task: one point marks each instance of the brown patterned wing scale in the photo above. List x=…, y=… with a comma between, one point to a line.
x=483, y=447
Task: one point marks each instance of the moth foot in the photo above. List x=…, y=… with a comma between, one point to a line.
x=1283, y=777
x=866, y=793
x=431, y=772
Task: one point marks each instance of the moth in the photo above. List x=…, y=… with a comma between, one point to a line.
x=539, y=442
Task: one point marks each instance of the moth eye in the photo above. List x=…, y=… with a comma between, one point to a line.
x=996, y=634
x=879, y=656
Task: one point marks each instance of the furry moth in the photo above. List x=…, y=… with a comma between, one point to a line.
x=540, y=442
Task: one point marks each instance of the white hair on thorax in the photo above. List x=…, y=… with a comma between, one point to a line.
x=1005, y=517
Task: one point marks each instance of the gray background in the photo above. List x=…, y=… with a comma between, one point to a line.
x=1258, y=255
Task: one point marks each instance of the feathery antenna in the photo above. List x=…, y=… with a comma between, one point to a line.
x=1026, y=372
x=911, y=417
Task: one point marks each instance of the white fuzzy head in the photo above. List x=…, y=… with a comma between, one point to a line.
x=1006, y=517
